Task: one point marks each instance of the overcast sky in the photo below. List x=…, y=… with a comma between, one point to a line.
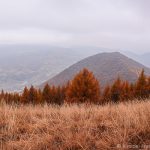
x=115, y=24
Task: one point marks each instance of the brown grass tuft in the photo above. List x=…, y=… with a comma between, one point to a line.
x=122, y=126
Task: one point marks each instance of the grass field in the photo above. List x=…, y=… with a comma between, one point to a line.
x=122, y=126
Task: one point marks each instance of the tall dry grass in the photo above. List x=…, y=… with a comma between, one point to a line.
x=122, y=126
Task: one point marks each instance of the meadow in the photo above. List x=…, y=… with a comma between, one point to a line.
x=75, y=127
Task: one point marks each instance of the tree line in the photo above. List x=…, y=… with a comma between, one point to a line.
x=83, y=88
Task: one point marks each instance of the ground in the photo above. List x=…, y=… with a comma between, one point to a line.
x=74, y=127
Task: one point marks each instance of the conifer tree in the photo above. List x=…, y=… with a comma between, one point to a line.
x=33, y=95
x=132, y=90
x=53, y=90
x=59, y=96
x=106, y=96
x=125, y=91
x=148, y=87
x=83, y=88
x=2, y=96
x=140, y=90
x=39, y=97
x=15, y=98
x=63, y=91
x=46, y=94
x=25, y=96
x=116, y=90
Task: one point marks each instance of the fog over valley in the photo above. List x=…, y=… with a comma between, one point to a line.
x=41, y=38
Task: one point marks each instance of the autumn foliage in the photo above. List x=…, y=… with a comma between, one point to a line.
x=84, y=88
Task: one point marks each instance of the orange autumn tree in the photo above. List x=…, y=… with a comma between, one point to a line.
x=126, y=95
x=106, y=95
x=83, y=88
x=132, y=90
x=148, y=87
x=46, y=94
x=141, y=83
x=33, y=95
x=116, y=90
x=39, y=97
x=25, y=96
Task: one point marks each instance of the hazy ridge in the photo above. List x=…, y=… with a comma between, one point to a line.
x=23, y=65
x=106, y=68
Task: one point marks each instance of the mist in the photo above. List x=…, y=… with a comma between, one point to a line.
x=111, y=24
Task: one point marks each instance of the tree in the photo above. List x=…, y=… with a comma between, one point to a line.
x=116, y=90
x=132, y=91
x=2, y=96
x=140, y=90
x=106, y=96
x=15, y=98
x=25, y=96
x=39, y=97
x=59, y=95
x=83, y=88
x=125, y=94
x=46, y=95
x=53, y=94
x=148, y=87
x=33, y=95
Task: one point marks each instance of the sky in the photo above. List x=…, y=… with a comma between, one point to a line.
x=115, y=24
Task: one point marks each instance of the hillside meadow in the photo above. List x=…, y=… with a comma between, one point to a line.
x=75, y=127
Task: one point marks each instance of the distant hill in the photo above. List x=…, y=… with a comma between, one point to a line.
x=142, y=58
x=105, y=66
x=23, y=65
x=145, y=59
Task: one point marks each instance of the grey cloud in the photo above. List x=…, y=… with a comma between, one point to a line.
x=107, y=23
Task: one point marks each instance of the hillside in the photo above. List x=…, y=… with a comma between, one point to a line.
x=35, y=64
x=105, y=66
x=145, y=59
x=23, y=65
x=142, y=58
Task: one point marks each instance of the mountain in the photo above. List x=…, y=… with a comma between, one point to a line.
x=142, y=58
x=145, y=59
x=24, y=65
x=105, y=66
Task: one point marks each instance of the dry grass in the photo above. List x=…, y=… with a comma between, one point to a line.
x=75, y=127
